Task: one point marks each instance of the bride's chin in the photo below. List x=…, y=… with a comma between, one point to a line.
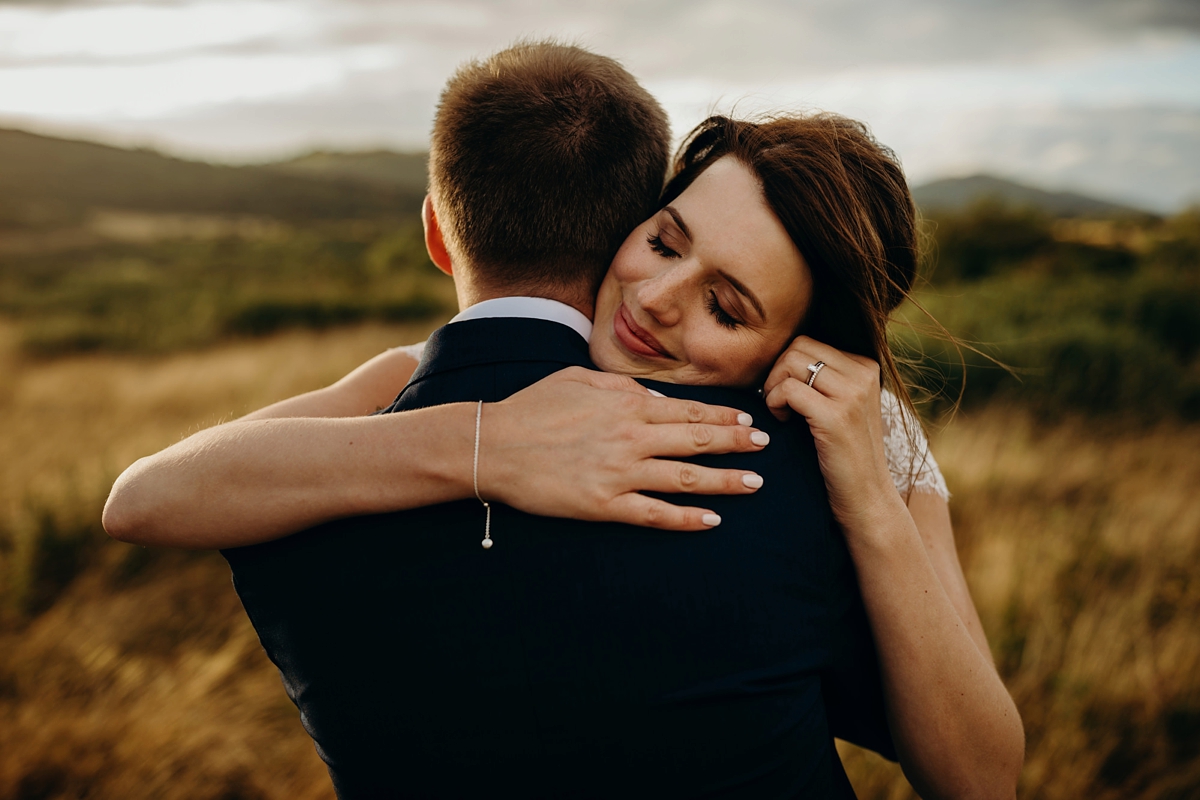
x=608, y=359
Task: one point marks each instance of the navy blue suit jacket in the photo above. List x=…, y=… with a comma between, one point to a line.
x=573, y=658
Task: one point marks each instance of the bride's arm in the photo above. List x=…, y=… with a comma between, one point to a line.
x=919, y=480
x=956, y=729
x=578, y=444
x=931, y=515
x=368, y=388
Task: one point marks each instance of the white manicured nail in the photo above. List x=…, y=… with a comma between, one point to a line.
x=752, y=481
x=745, y=419
x=656, y=394
x=760, y=438
x=711, y=520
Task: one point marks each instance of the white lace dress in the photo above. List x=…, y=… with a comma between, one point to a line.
x=912, y=465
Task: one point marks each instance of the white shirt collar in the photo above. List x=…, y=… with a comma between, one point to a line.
x=530, y=308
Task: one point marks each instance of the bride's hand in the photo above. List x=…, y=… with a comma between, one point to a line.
x=585, y=444
x=843, y=410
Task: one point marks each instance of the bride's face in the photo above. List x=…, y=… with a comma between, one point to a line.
x=708, y=291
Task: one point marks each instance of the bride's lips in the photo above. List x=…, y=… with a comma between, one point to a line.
x=634, y=338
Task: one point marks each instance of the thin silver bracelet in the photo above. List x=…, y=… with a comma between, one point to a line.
x=487, y=525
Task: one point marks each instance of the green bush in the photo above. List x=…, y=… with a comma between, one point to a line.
x=267, y=316
x=1170, y=312
x=1094, y=345
x=168, y=295
x=1178, y=248
x=1097, y=369
x=991, y=238
x=985, y=239
x=1079, y=259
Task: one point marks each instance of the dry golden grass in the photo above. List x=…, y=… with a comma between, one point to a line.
x=144, y=679
x=1081, y=547
x=1080, y=544
x=73, y=424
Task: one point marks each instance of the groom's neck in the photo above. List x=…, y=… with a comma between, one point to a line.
x=471, y=292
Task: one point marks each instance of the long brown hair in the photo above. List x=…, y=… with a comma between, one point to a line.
x=844, y=201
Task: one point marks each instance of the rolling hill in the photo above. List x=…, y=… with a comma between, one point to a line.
x=955, y=194
x=409, y=170
x=385, y=167
x=52, y=182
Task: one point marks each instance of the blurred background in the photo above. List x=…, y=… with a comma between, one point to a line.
x=207, y=205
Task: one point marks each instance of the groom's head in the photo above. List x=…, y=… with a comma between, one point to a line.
x=543, y=158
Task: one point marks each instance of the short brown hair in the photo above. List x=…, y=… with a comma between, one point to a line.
x=543, y=158
x=845, y=203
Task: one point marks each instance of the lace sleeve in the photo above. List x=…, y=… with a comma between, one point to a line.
x=412, y=350
x=913, y=467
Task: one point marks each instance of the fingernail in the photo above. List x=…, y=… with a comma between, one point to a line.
x=711, y=520
x=745, y=419
x=656, y=394
x=760, y=438
x=752, y=481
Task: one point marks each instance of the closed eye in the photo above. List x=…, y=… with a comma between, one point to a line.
x=723, y=317
x=658, y=246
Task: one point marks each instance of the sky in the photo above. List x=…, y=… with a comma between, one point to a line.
x=1098, y=96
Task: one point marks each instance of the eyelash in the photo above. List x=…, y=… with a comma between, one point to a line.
x=723, y=317
x=656, y=244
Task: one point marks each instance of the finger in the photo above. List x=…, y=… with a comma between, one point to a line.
x=667, y=410
x=805, y=351
x=846, y=363
x=648, y=512
x=821, y=351
x=794, y=395
x=793, y=363
x=662, y=409
x=836, y=379
x=690, y=440
x=829, y=381
x=678, y=477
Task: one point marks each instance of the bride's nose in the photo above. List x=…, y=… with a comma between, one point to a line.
x=659, y=296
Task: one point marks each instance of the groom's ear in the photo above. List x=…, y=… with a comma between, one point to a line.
x=434, y=242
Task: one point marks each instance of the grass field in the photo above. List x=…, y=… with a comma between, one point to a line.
x=127, y=673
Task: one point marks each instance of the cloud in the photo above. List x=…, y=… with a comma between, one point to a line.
x=1098, y=94
x=740, y=39
x=717, y=39
x=122, y=31
x=1143, y=156
x=391, y=117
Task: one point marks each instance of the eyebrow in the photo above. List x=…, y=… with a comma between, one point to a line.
x=679, y=221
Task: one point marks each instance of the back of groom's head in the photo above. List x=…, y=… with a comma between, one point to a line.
x=543, y=158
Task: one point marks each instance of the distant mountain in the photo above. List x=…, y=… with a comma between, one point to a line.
x=955, y=194
x=405, y=170
x=50, y=181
